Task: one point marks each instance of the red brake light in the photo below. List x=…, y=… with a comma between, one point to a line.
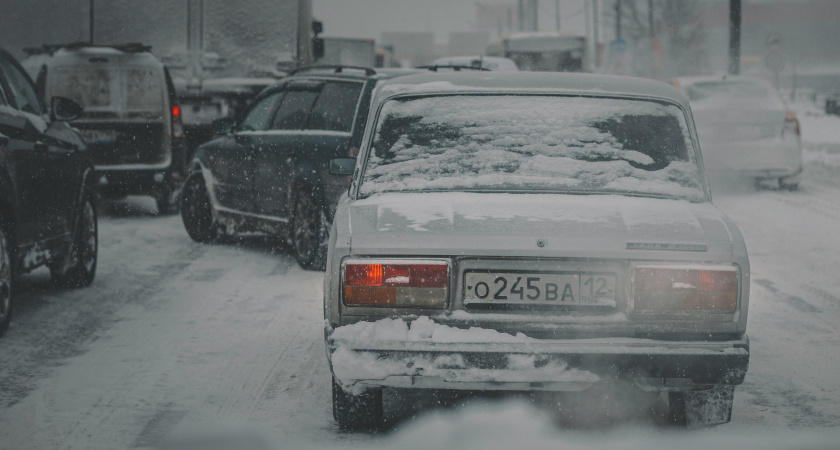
x=791, y=124
x=177, y=123
x=689, y=289
x=396, y=284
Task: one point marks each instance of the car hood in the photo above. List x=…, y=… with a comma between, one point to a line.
x=490, y=224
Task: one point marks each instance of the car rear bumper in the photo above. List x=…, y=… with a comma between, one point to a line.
x=545, y=365
x=759, y=158
x=120, y=181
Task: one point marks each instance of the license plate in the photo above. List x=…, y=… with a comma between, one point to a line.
x=99, y=136
x=539, y=288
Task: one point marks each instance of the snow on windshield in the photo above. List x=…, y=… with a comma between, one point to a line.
x=528, y=142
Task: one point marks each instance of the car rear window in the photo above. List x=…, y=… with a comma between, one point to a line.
x=532, y=143
x=336, y=106
x=144, y=89
x=110, y=87
x=88, y=85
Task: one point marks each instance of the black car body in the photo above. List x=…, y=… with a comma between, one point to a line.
x=132, y=121
x=47, y=188
x=270, y=172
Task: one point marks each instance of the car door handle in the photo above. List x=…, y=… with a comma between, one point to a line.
x=41, y=147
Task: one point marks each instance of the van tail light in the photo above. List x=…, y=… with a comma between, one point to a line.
x=791, y=124
x=713, y=289
x=398, y=283
x=177, y=123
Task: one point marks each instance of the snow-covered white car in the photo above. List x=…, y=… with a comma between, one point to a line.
x=533, y=231
x=745, y=128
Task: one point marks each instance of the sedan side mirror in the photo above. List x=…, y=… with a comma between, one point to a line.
x=342, y=166
x=223, y=126
x=65, y=109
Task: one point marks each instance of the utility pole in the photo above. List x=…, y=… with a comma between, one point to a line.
x=557, y=13
x=90, y=21
x=734, y=37
x=618, y=19
x=521, y=15
x=595, y=19
x=650, y=22
x=533, y=15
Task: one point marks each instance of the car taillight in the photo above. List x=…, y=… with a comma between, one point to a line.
x=398, y=283
x=791, y=124
x=657, y=288
x=177, y=123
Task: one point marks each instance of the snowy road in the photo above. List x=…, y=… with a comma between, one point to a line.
x=174, y=334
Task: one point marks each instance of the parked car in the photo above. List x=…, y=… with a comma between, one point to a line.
x=479, y=62
x=132, y=120
x=47, y=189
x=533, y=232
x=269, y=173
x=745, y=128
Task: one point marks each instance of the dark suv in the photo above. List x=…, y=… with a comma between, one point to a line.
x=270, y=172
x=47, y=189
x=132, y=120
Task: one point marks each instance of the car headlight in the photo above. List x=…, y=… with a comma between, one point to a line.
x=411, y=283
x=685, y=288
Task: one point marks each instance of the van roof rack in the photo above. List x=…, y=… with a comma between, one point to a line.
x=338, y=69
x=455, y=67
x=128, y=47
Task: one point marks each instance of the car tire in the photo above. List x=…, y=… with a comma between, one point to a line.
x=197, y=211
x=309, y=231
x=788, y=186
x=80, y=270
x=6, y=278
x=702, y=407
x=356, y=412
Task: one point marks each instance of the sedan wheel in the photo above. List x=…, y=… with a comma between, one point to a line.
x=81, y=269
x=5, y=283
x=197, y=212
x=309, y=232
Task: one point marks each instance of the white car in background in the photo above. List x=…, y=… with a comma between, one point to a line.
x=533, y=232
x=745, y=128
x=493, y=63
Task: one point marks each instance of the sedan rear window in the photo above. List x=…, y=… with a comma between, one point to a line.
x=515, y=143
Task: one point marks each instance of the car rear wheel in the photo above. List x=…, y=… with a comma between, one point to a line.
x=356, y=412
x=197, y=212
x=80, y=270
x=789, y=184
x=309, y=231
x=5, y=282
x=703, y=407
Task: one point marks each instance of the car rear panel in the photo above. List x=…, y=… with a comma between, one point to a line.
x=121, y=143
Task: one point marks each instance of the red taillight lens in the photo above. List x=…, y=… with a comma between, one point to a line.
x=791, y=124
x=689, y=289
x=177, y=123
x=422, y=284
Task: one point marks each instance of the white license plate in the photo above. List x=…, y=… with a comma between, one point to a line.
x=539, y=288
x=99, y=136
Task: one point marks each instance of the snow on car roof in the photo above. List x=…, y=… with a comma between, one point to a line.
x=82, y=55
x=530, y=82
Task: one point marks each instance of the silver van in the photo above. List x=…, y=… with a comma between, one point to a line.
x=131, y=122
